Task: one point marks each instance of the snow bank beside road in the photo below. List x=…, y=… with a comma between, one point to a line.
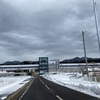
x=76, y=82
x=11, y=84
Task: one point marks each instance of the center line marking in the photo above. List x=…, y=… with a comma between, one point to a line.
x=51, y=90
x=42, y=81
x=47, y=87
x=59, y=97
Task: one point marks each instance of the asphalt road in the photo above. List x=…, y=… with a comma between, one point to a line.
x=41, y=89
x=38, y=91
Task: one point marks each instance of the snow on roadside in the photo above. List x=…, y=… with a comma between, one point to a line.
x=76, y=82
x=16, y=83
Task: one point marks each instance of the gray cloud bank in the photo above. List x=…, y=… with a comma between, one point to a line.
x=33, y=28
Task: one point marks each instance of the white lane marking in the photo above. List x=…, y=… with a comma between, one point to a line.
x=44, y=84
x=25, y=91
x=59, y=97
x=47, y=87
x=42, y=81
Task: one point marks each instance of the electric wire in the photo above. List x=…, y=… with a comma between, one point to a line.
x=87, y=26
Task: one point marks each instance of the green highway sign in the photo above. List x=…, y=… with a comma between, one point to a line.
x=43, y=65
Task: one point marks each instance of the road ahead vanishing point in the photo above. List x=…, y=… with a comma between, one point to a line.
x=42, y=89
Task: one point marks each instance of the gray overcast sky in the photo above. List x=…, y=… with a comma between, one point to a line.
x=33, y=28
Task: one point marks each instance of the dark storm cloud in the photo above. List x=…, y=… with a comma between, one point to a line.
x=53, y=28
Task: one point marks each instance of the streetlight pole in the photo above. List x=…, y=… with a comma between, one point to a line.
x=85, y=53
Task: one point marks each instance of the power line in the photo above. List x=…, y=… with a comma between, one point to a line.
x=86, y=27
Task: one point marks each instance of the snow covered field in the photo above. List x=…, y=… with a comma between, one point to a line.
x=76, y=82
x=10, y=84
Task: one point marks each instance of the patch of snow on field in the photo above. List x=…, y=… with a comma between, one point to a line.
x=76, y=82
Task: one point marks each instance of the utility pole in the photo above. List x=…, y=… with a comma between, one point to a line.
x=85, y=53
x=96, y=23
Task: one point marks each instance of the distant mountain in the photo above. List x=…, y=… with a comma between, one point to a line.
x=7, y=63
x=73, y=60
x=19, y=62
x=81, y=60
